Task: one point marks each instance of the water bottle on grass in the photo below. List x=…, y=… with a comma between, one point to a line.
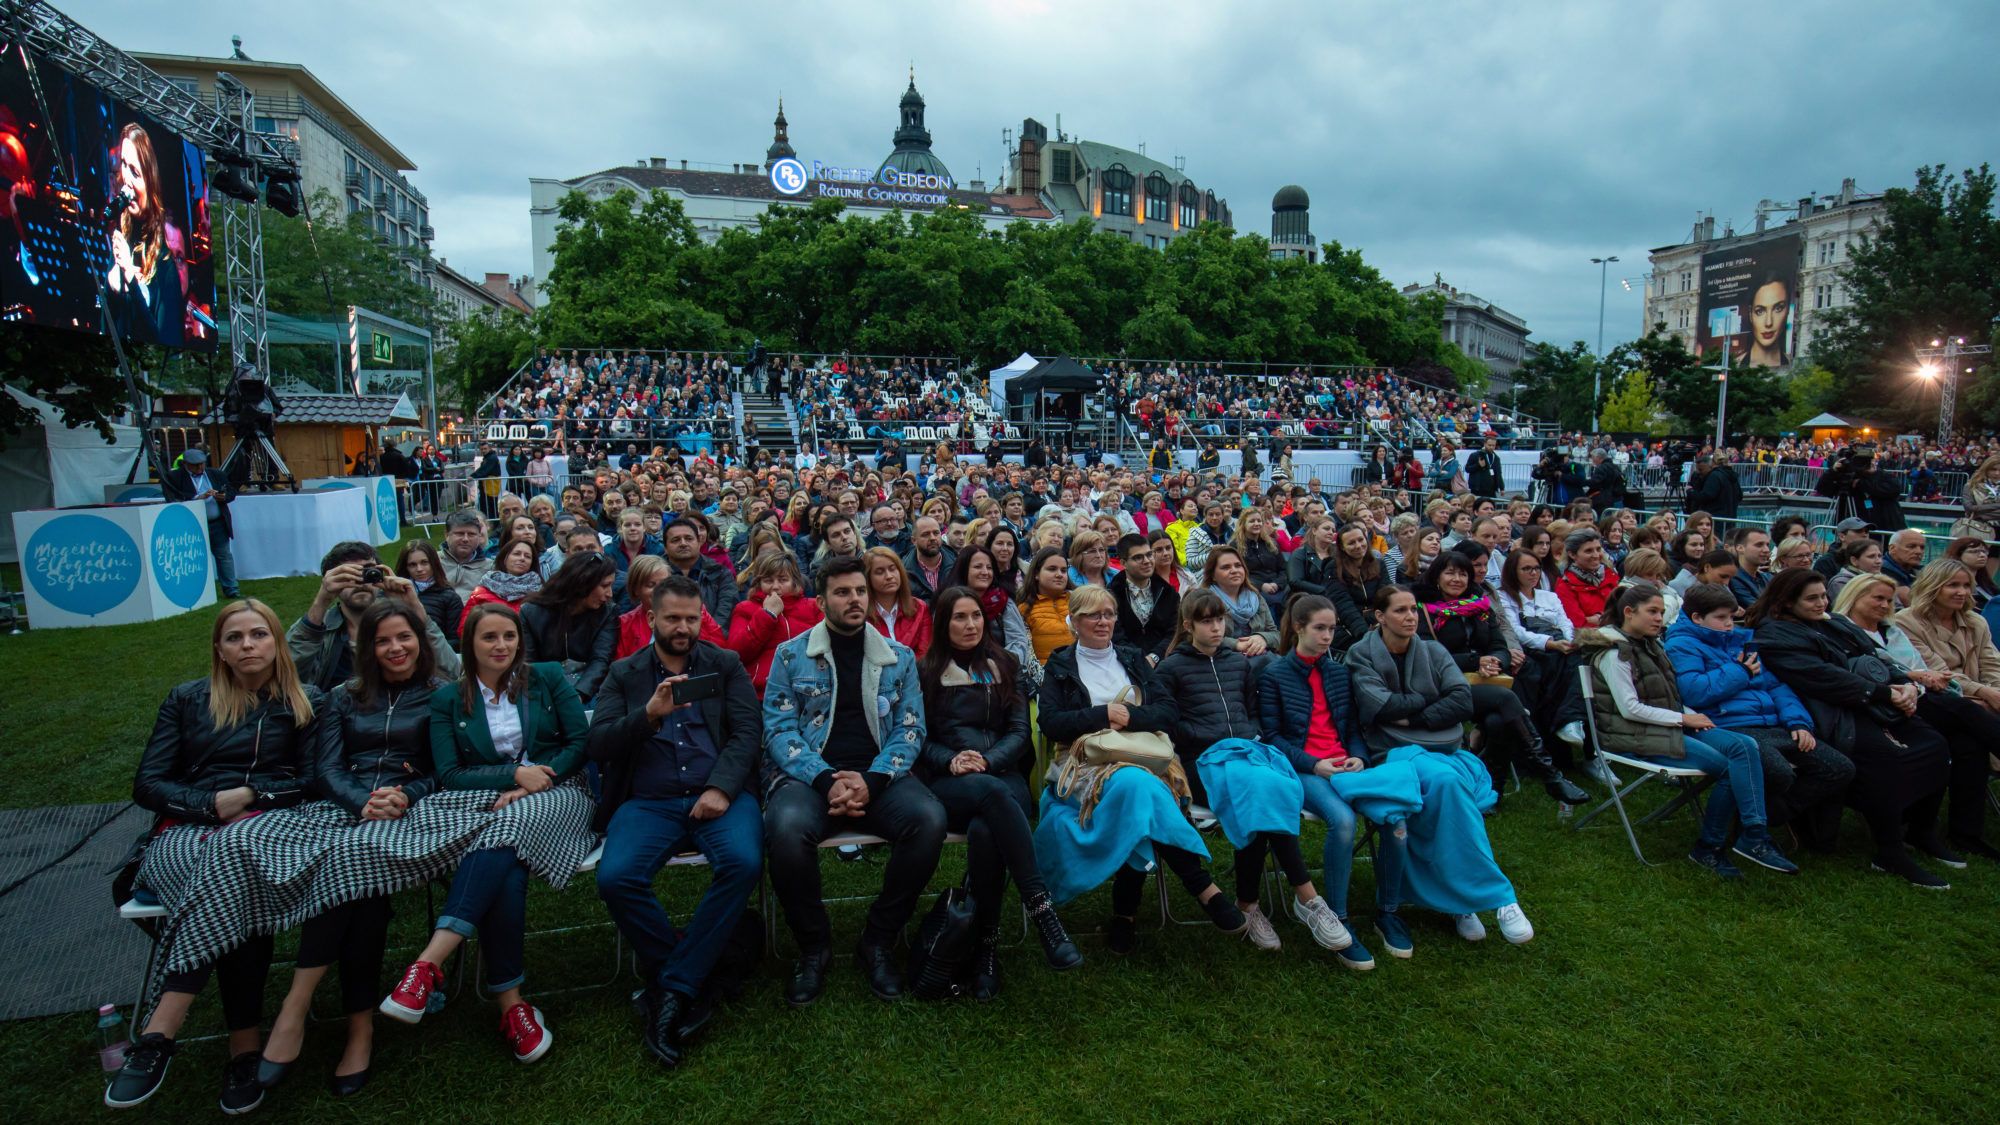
x=112, y=1039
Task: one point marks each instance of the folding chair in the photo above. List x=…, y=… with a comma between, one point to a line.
x=517, y=433
x=1691, y=781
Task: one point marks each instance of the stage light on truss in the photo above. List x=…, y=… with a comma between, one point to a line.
x=281, y=191
x=231, y=176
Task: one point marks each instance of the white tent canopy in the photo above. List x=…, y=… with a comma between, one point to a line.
x=53, y=466
x=1824, y=421
x=997, y=379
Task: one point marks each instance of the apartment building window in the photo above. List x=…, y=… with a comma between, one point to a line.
x=1190, y=202
x=1682, y=319
x=1158, y=192
x=1827, y=250
x=186, y=86
x=1687, y=283
x=1117, y=190
x=1822, y=296
x=1062, y=167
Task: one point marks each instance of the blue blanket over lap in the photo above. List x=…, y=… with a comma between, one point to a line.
x=1451, y=868
x=1135, y=811
x=1251, y=788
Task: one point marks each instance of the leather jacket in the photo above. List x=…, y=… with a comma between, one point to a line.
x=187, y=761
x=962, y=715
x=360, y=750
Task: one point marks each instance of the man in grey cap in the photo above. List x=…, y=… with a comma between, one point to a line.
x=191, y=481
x=1846, y=531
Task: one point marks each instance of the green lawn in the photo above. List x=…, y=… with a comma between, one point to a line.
x=1648, y=995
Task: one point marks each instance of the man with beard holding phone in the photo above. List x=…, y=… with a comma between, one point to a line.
x=674, y=771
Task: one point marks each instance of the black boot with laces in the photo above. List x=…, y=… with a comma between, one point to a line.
x=1056, y=945
x=986, y=965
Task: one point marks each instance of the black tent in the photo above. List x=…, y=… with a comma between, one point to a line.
x=1053, y=388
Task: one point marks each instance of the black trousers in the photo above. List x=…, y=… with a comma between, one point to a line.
x=1900, y=774
x=240, y=975
x=1799, y=785
x=905, y=813
x=1129, y=882
x=352, y=935
x=992, y=811
x=1972, y=731
x=1250, y=863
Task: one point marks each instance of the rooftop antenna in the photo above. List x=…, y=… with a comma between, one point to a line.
x=1142, y=148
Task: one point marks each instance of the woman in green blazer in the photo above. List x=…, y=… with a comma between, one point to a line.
x=516, y=729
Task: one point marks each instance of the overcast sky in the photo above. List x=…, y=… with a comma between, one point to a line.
x=1502, y=145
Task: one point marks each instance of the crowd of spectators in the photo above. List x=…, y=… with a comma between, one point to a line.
x=605, y=400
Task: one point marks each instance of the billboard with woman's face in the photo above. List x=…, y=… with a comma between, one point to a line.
x=1750, y=298
x=102, y=208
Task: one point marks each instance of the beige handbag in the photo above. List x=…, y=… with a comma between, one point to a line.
x=1150, y=749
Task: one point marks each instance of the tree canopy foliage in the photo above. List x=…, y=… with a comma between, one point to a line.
x=815, y=278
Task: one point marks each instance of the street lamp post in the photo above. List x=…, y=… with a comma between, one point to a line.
x=1597, y=376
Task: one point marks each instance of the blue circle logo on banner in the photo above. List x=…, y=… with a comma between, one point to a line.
x=386, y=516
x=788, y=176
x=180, y=556
x=81, y=564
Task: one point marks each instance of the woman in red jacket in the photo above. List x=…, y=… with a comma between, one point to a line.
x=635, y=625
x=894, y=610
x=511, y=582
x=1588, y=582
x=760, y=625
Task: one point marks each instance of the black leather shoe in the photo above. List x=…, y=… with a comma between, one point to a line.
x=269, y=1073
x=808, y=978
x=1061, y=952
x=986, y=966
x=885, y=980
x=663, y=1018
x=347, y=1085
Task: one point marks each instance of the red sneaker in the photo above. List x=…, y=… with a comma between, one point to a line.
x=523, y=1028
x=412, y=995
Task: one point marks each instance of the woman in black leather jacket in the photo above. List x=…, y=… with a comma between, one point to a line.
x=976, y=760
x=374, y=760
x=224, y=749
x=571, y=621
x=1213, y=693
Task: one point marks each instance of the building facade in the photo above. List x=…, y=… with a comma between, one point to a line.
x=1827, y=228
x=721, y=197
x=1117, y=189
x=340, y=153
x=460, y=297
x=1480, y=328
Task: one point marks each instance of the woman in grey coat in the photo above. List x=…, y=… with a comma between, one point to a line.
x=1409, y=690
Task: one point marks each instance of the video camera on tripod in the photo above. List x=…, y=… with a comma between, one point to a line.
x=253, y=408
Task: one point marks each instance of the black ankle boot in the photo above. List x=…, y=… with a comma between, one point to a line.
x=986, y=965
x=1535, y=756
x=1056, y=945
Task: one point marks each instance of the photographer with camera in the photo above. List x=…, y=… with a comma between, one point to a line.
x=1714, y=488
x=1860, y=490
x=1560, y=480
x=352, y=578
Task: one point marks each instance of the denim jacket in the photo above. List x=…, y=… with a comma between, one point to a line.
x=798, y=704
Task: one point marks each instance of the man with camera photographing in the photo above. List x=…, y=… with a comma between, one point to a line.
x=1860, y=490
x=1561, y=483
x=352, y=578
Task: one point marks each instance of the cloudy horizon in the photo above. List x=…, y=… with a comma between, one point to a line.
x=1501, y=148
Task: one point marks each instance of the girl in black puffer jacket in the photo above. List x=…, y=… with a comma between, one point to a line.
x=1257, y=797
x=976, y=759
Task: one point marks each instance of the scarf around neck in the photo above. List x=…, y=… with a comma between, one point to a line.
x=512, y=587
x=1459, y=607
x=1243, y=606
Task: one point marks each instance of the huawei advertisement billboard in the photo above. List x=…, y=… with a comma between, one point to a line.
x=1749, y=301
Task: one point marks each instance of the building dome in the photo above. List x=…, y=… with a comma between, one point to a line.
x=1291, y=197
x=912, y=153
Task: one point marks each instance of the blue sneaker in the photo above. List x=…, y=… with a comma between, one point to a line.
x=1716, y=861
x=1395, y=934
x=1759, y=849
x=1356, y=955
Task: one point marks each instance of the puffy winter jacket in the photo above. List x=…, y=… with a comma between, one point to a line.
x=755, y=635
x=1284, y=703
x=1714, y=683
x=1214, y=697
x=362, y=749
x=188, y=761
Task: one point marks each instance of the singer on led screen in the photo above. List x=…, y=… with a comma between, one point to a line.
x=148, y=277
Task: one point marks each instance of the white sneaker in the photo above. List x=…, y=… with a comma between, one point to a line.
x=1514, y=925
x=1571, y=733
x=1470, y=927
x=1260, y=931
x=1319, y=918
x=1600, y=769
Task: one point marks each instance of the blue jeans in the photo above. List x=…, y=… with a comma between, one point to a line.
x=489, y=898
x=225, y=559
x=1338, y=858
x=642, y=836
x=1737, y=764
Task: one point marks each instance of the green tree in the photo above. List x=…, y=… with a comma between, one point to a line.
x=1931, y=270
x=1029, y=319
x=1553, y=384
x=1811, y=390
x=628, y=274
x=1630, y=408
x=318, y=268
x=486, y=349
